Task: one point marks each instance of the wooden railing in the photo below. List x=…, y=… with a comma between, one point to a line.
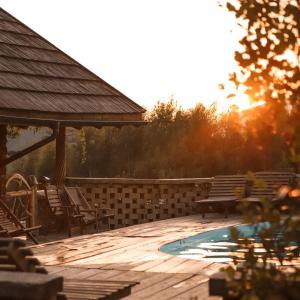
x=138, y=201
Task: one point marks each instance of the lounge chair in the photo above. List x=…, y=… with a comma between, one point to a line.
x=61, y=213
x=11, y=226
x=90, y=215
x=224, y=193
x=16, y=258
x=266, y=185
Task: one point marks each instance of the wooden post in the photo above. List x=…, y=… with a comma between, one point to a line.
x=3, y=154
x=33, y=205
x=60, y=173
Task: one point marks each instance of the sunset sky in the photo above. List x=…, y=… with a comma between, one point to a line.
x=148, y=49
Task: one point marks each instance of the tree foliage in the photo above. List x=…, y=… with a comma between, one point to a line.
x=269, y=68
x=269, y=62
x=269, y=54
x=176, y=143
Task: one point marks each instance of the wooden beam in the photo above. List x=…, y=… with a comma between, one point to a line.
x=3, y=154
x=60, y=172
x=31, y=148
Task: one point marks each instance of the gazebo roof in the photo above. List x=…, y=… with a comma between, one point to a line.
x=39, y=83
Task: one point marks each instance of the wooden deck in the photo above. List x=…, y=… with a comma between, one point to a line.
x=132, y=254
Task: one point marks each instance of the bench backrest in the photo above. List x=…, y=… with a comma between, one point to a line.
x=267, y=184
x=54, y=200
x=5, y=223
x=8, y=220
x=76, y=197
x=228, y=186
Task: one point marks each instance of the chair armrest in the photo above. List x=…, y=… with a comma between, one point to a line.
x=32, y=228
x=103, y=210
x=88, y=210
x=106, y=211
x=77, y=216
x=71, y=210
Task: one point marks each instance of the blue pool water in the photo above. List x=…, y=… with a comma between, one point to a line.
x=215, y=245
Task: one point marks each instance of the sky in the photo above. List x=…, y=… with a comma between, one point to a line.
x=150, y=50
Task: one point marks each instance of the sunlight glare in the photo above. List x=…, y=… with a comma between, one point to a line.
x=241, y=102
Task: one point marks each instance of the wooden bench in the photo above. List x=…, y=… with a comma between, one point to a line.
x=29, y=286
x=11, y=226
x=14, y=257
x=266, y=185
x=224, y=193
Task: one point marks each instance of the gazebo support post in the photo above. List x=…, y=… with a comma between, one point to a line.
x=60, y=173
x=3, y=154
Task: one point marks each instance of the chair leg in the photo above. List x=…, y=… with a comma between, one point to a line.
x=69, y=227
x=225, y=211
x=97, y=222
x=81, y=229
x=108, y=222
x=202, y=210
x=31, y=236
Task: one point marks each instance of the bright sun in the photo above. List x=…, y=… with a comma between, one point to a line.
x=241, y=101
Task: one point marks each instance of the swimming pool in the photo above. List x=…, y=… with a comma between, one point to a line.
x=215, y=245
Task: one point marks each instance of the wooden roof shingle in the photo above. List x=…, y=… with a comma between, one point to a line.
x=39, y=81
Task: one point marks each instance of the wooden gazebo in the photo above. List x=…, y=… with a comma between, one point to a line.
x=42, y=86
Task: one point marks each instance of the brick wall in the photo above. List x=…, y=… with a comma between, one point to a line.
x=136, y=201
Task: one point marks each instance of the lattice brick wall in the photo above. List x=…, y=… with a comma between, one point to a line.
x=136, y=201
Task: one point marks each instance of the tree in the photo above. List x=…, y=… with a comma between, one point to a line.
x=269, y=68
x=269, y=58
x=269, y=61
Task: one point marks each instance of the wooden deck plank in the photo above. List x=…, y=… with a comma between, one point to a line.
x=167, y=264
x=119, y=248
x=132, y=253
x=199, y=292
x=84, y=274
x=190, y=266
x=158, y=287
x=180, y=288
x=152, y=279
x=68, y=272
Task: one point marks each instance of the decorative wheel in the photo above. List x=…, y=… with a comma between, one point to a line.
x=18, y=195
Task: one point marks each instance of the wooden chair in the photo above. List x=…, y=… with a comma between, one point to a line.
x=16, y=258
x=224, y=193
x=90, y=215
x=3, y=233
x=266, y=185
x=61, y=213
x=11, y=226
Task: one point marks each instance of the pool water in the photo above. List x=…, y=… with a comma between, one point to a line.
x=215, y=245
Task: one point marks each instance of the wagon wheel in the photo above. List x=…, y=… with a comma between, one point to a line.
x=19, y=205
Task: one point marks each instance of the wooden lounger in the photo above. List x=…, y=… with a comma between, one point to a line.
x=11, y=226
x=16, y=258
x=91, y=215
x=224, y=193
x=61, y=213
x=266, y=185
